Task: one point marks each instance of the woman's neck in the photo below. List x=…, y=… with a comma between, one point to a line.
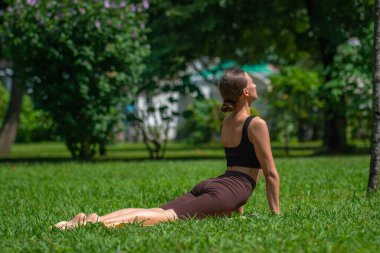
x=242, y=108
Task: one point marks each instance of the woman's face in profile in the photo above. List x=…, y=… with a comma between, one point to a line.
x=251, y=87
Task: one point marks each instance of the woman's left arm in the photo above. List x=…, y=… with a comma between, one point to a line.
x=259, y=135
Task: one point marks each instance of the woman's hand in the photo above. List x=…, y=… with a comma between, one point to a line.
x=240, y=210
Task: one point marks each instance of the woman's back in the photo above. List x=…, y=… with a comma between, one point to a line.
x=232, y=130
x=240, y=153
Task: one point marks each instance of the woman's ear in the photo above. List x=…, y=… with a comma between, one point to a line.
x=245, y=92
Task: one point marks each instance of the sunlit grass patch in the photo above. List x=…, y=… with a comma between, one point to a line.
x=324, y=208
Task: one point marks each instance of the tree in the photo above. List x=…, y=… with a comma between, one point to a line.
x=84, y=59
x=203, y=121
x=302, y=31
x=294, y=103
x=8, y=129
x=9, y=126
x=373, y=180
x=350, y=88
x=333, y=23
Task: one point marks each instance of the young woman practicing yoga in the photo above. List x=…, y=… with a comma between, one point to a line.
x=247, y=146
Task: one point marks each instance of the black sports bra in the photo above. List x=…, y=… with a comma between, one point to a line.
x=244, y=154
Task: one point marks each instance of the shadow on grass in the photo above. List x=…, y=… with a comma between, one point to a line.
x=277, y=152
x=351, y=150
x=101, y=160
x=126, y=149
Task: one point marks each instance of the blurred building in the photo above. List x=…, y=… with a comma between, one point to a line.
x=206, y=81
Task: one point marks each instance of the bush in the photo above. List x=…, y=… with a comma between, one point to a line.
x=35, y=124
x=350, y=88
x=295, y=106
x=203, y=120
x=83, y=58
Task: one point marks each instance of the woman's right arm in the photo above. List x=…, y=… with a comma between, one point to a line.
x=258, y=129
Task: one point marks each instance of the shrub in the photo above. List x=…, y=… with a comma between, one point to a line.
x=295, y=105
x=83, y=58
x=203, y=120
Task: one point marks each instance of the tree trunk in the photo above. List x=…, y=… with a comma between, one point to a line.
x=335, y=122
x=73, y=148
x=373, y=180
x=9, y=128
x=335, y=132
x=102, y=148
x=335, y=125
x=87, y=149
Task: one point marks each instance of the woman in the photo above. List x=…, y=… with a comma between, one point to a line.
x=247, y=147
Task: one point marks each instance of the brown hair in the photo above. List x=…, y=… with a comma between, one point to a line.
x=231, y=86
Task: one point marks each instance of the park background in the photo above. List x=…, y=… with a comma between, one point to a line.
x=111, y=104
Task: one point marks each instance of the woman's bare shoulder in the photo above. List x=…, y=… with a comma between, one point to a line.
x=258, y=122
x=257, y=128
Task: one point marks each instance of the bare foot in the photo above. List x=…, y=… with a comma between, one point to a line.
x=240, y=210
x=93, y=218
x=78, y=220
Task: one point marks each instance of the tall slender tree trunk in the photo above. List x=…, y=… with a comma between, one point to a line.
x=9, y=128
x=373, y=180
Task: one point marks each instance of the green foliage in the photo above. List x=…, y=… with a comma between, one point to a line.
x=203, y=121
x=351, y=80
x=35, y=124
x=84, y=59
x=193, y=29
x=329, y=213
x=294, y=102
x=302, y=32
x=4, y=99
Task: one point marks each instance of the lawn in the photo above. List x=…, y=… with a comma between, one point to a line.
x=324, y=208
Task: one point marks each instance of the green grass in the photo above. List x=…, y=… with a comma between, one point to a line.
x=324, y=208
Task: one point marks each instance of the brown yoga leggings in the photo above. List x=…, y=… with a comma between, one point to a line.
x=222, y=194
